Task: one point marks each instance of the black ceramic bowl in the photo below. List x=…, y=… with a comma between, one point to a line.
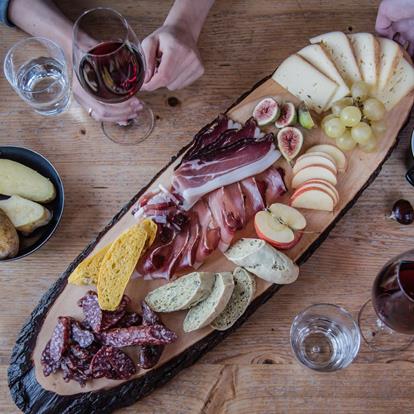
x=29, y=158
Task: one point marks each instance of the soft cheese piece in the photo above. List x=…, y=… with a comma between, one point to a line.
x=206, y=311
x=317, y=56
x=390, y=56
x=263, y=260
x=183, y=293
x=400, y=84
x=367, y=53
x=340, y=50
x=305, y=82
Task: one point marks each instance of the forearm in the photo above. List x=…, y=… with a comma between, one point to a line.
x=189, y=15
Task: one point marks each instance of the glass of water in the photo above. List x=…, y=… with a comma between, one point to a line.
x=36, y=68
x=325, y=337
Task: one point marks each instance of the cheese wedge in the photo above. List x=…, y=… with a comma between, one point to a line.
x=306, y=82
x=367, y=53
x=390, y=56
x=340, y=51
x=316, y=55
x=400, y=84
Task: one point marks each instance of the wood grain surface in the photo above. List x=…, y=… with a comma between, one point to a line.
x=253, y=371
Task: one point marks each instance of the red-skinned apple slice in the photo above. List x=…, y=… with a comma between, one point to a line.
x=314, y=160
x=312, y=173
x=334, y=152
x=323, y=185
x=313, y=198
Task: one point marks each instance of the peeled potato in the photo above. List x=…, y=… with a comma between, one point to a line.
x=9, y=240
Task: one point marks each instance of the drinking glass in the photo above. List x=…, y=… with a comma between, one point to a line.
x=110, y=65
x=324, y=337
x=386, y=320
x=36, y=69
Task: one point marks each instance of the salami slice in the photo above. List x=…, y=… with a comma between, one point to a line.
x=49, y=365
x=59, y=342
x=111, y=318
x=149, y=317
x=81, y=335
x=129, y=319
x=112, y=363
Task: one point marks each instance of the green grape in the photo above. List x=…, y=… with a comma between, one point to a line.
x=371, y=145
x=350, y=116
x=360, y=90
x=337, y=106
x=361, y=133
x=327, y=118
x=374, y=109
x=345, y=142
x=378, y=127
x=334, y=128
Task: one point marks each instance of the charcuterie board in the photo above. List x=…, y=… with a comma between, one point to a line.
x=33, y=392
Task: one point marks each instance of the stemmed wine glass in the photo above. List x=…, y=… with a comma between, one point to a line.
x=110, y=65
x=386, y=321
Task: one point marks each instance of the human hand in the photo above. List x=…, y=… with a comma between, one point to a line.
x=179, y=60
x=395, y=20
x=99, y=111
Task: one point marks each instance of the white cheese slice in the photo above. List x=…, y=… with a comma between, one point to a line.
x=263, y=260
x=306, y=82
x=340, y=50
x=317, y=56
x=367, y=53
x=400, y=84
x=390, y=56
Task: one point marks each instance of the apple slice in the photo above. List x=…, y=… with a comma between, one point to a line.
x=323, y=185
x=313, y=199
x=311, y=173
x=288, y=216
x=310, y=160
x=334, y=152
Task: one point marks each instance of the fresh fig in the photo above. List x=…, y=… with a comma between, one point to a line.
x=266, y=111
x=305, y=117
x=290, y=141
x=287, y=115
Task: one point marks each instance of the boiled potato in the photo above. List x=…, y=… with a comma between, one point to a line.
x=17, y=179
x=9, y=240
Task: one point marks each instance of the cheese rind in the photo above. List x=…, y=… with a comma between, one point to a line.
x=340, y=50
x=390, y=56
x=305, y=82
x=318, y=57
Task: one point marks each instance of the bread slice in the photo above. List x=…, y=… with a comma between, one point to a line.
x=367, y=52
x=340, y=51
x=206, y=311
x=317, y=56
x=306, y=82
x=26, y=215
x=243, y=294
x=390, y=56
x=263, y=260
x=400, y=84
x=181, y=294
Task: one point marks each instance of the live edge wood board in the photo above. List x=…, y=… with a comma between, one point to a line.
x=34, y=393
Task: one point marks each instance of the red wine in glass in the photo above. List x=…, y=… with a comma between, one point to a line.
x=112, y=71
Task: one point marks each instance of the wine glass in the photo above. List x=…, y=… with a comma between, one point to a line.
x=386, y=321
x=110, y=65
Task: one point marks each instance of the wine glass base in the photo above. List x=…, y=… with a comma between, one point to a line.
x=134, y=131
x=378, y=336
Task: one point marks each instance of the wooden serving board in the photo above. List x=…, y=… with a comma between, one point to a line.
x=35, y=393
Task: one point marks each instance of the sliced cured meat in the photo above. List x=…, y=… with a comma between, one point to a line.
x=275, y=186
x=82, y=336
x=253, y=198
x=234, y=208
x=112, y=363
x=59, y=342
x=130, y=319
x=49, y=364
x=188, y=255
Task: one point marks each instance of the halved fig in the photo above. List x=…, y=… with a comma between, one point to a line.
x=305, y=117
x=290, y=141
x=266, y=111
x=287, y=115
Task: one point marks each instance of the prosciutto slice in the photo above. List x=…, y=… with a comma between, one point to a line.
x=272, y=179
x=253, y=198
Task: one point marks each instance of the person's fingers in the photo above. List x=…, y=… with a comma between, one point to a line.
x=410, y=49
x=403, y=26
x=401, y=39
x=150, y=48
x=383, y=24
x=187, y=78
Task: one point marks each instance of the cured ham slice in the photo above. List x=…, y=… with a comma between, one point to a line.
x=273, y=180
x=253, y=198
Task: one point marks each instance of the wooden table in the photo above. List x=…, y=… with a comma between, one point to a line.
x=253, y=371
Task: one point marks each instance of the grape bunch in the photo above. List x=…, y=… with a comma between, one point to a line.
x=356, y=120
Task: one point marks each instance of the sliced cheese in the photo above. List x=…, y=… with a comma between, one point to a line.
x=306, y=82
x=340, y=51
x=317, y=56
x=390, y=56
x=400, y=84
x=367, y=53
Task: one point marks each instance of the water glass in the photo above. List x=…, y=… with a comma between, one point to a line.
x=325, y=337
x=37, y=70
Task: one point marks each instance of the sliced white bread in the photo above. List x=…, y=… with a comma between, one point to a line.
x=306, y=82
x=206, y=311
x=390, y=56
x=263, y=260
x=181, y=294
x=400, y=84
x=243, y=294
x=318, y=57
x=367, y=53
x=340, y=51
